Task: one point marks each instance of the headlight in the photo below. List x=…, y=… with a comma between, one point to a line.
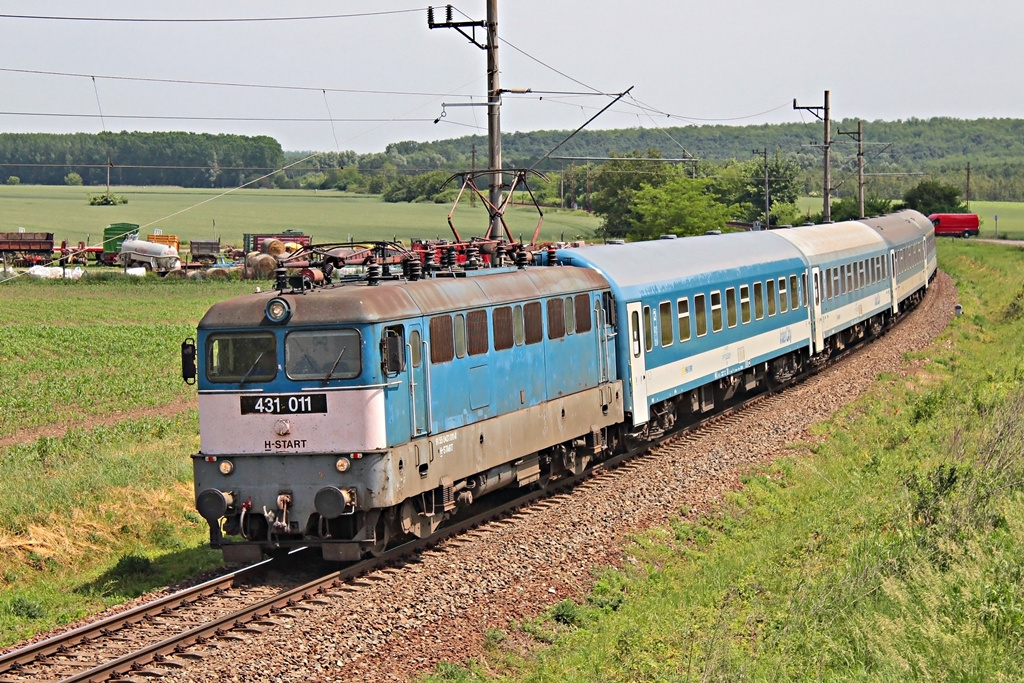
x=343, y=464
x=278, y=310
x=226, y=467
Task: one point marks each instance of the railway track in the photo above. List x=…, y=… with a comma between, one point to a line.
x=171, y=632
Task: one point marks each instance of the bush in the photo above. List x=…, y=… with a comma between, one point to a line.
x=72, y=179
x=13, y=180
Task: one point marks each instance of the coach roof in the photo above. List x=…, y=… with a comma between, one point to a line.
x=640, y=268
x=399, y=299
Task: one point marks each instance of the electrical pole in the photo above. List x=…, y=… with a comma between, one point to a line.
x=968, y=186
x=472, y=172
x=767, y=205
x=490, y=25
x=859, y=137
x=822, y=113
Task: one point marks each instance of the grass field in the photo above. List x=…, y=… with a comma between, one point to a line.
x=201, y=214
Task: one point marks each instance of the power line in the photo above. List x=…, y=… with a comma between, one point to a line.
x=223, y=20
x=144, y=117
x=227, y=84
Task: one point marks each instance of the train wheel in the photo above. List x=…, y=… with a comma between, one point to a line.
x=382, y=535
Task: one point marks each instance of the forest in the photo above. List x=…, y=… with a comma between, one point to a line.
x=897, y=154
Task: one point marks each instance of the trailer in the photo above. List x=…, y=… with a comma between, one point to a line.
x=204, y=251
x=254, y=241
x=26, y=248
x=113, y=236
x=159, y=258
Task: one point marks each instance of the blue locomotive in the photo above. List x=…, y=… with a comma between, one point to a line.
x=349, y=414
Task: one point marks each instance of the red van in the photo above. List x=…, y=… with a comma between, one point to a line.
x=955, y=224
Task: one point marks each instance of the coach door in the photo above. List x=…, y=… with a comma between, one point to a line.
x=637, y=363
x=416, y=357
x=817, y=324
x=893, y=282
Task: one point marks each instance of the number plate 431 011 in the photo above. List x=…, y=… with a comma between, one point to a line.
x=285, y=404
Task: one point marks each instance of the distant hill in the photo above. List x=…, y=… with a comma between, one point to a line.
x=939, y=148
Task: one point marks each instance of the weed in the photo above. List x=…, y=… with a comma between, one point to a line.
x=25, y=608
x=567, y=613
x=129, y=566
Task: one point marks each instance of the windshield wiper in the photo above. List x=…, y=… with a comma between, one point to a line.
x=252, y=367
x=334, y=367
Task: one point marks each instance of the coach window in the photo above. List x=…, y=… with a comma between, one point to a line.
x=476, y=328
x=716, y=311
x=634, y=331
x=771, y=297
x=245, y=357
x=648, y=331
x=745, y=303
x=700, y=310
x=794, y=294
x=570, y=317
x=584, y=323
x=442, y=344
x=758, y=301
x=860, y=274
x=460, y=335
x=501, y=319
x=783, y=307
x=803, y=289
x=683, y=311
x=730, y=306
x=534, y=325
x=556, y=319
x=836, y=290
x=665, y=319
x=817, y=288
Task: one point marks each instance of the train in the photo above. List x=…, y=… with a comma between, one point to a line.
x=346, y=413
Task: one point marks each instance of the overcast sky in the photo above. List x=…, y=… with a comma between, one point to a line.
x=730, y=61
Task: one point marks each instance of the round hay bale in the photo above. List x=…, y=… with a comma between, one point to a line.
x=292, y=247
x=177, y=274
x=197, y=275
x=237, y=254
x=261, y=266
x=273, y=247
x=216, y=273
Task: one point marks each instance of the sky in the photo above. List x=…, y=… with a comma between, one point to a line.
x=379, y=75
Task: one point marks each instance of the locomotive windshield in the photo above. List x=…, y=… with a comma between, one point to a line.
x=322, y=354
x=241, y=357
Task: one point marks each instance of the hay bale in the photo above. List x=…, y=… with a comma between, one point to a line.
x=177, y=274
x=216, y=273
x=261, y=266
x=273, y=247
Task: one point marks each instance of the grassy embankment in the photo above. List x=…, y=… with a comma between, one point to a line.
x=328, y=215
x=889, y=548
x=99, y=426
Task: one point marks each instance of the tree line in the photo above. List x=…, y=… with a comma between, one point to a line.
x=133, y=158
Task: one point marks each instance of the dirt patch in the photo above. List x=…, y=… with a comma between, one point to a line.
x=59, y=429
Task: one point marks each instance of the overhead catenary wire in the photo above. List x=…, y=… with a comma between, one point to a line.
x=208, y=20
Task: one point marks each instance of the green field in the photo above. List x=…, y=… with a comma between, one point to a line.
x=201, y=214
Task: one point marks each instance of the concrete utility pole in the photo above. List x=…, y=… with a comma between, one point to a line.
x=767, y=205
x=968, y=186
x=859, y=137
x=494, y=230
x=822, y=113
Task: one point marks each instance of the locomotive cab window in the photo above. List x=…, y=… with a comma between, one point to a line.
x=324, y=354
x=241, y=357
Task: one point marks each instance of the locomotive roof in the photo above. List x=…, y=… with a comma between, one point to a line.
x=399, y=299
x=833, y=241
x=901, y=227
x=639, y=268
